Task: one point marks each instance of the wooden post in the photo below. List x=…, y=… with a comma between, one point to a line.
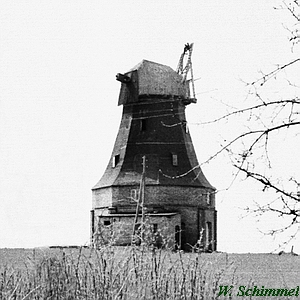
x=140, y=202
x=142, y=192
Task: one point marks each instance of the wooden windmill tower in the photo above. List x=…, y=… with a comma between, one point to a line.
x=154, y=143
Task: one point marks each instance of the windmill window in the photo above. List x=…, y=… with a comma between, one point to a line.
x=116, y=160
x=143, y=125
x=174, y=159
x=209, y=198
x=209, y=236
x=106, y=222
x=134, y=194
x=185, y=126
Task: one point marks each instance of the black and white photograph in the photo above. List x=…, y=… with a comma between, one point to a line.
x=149, y=149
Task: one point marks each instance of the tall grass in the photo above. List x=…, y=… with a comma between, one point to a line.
x=113, y=273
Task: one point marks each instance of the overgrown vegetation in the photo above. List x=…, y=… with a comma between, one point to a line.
x=112, y=273
x=138, y=273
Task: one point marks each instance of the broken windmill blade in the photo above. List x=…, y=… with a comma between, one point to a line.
x=185, y=69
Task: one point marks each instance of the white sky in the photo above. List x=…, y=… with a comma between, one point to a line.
x=58, y=102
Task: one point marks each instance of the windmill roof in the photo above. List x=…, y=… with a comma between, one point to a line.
x=158, y=79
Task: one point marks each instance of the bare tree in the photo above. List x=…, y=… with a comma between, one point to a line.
x=271, y=118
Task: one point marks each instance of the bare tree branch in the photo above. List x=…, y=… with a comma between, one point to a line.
x=294, y=101
x=263, y=124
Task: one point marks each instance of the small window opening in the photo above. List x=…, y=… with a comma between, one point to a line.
x=143, y=125
x=174, y=159
x=106, y=222
x=134, y=194
x=116, y=160
x=208, y=198
x=155, y=226
x=185, y=126
x=209, y=236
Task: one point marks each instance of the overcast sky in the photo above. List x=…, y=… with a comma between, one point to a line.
x=58, y=102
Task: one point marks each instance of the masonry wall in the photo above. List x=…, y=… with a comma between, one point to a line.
x=195, y=206
x=119, y=230
x=155, y=195
x=102, y=197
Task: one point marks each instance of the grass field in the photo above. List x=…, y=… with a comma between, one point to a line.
x=137, y=273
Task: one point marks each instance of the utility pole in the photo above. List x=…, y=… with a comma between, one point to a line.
x=140, y=203
x=142, y=192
